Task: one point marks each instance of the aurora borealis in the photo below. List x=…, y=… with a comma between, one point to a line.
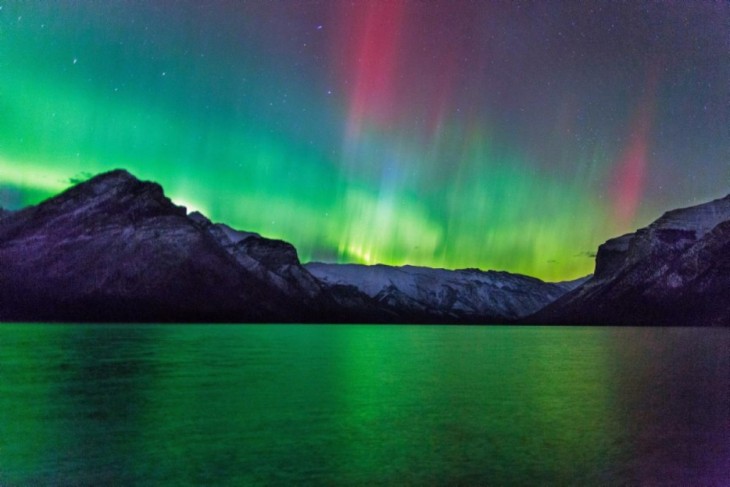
x=501, y=135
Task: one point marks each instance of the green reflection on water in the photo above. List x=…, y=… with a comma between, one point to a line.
x=233, y=405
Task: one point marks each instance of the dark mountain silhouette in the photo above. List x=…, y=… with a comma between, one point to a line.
x=114, y=248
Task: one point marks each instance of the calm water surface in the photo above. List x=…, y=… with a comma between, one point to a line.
x=363, y=405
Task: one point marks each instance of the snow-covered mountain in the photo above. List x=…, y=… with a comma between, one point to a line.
x=676, y=271
x=426, y=294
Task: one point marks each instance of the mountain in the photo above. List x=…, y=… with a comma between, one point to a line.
x=423, y=294
x=674, y=272
x=117, y=249
x=114, y=248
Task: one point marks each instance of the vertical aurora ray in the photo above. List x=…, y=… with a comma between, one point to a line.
x=630, y=179
x=436, y=193
x=371, y=61
x=441, y=133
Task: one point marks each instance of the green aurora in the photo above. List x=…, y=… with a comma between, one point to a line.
x=327, y=126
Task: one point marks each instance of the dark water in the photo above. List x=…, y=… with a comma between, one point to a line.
x=363, y=405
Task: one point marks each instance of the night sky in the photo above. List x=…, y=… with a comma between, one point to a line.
x=507, y=135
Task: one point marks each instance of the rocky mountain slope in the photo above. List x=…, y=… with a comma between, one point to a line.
x=675, y=272
x=117, y=249
x=424, y=294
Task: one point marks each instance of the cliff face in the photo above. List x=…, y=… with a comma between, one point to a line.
x=674, y=272
x=116, y=249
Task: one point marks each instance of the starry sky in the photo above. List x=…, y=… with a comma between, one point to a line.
x=509, y=135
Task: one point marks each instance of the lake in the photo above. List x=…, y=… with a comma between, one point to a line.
x=363, y=405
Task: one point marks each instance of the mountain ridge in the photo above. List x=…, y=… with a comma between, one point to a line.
x=114, y=248
x=465, y=295
x=673, y=272
x=61, y=259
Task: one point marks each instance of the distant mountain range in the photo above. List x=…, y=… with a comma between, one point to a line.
x=116, y=249
x=423, y=294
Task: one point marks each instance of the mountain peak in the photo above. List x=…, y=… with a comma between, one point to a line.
x=700, y=218
x=115, y=176
x=115, y=192
x=117, y=179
